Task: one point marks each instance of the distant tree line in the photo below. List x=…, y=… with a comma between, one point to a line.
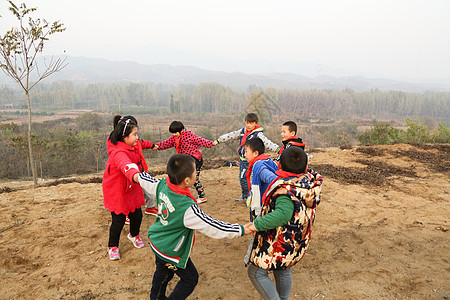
x=78, y=146
x=209, y=97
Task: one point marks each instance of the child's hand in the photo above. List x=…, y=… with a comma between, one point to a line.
x=155, y=147
x=136, y=177
x=250, y=228
x=215, y=143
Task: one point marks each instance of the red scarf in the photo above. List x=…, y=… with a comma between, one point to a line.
x=139, y=147
x=292, y=143
x=250, y=167
x=247, y=132
x=178, y=190
x=177, y=142
x=284, y=174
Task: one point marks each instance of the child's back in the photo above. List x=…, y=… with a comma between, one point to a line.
x=283, y=231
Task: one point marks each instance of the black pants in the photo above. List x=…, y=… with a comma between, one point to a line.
x=164, y=273
x=117, y=224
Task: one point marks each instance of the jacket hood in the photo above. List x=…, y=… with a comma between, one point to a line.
x=112, y=149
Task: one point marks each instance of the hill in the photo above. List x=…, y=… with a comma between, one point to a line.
x=381, y=231
x=90, y=70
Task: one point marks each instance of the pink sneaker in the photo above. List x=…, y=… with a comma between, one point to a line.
x=201, y=200
x=113, y=253
x=136, y=240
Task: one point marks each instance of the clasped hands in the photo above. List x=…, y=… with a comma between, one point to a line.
x=249, y=228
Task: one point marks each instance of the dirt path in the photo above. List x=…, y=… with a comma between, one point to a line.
x=381, y=232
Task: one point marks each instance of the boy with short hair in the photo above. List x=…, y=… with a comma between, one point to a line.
x=186, y=142
x=260, y=173
x=284, y=229
x=171, y=237
x=250, y=131
x=289, y=137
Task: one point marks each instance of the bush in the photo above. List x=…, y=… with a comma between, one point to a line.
x=385, y=134
x=380, y=134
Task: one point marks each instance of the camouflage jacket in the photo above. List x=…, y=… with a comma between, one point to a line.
x=282, y=247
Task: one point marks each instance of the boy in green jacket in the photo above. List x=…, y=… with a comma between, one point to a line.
x=283, y=231
x=172, y=236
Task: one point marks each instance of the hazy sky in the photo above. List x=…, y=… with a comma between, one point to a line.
x=405, y=39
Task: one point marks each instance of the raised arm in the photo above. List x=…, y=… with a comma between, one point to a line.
x=169, y=143
x=147, y=182
x=268, y=143
x=199, y=141
x=229, y=136
x=197, y=219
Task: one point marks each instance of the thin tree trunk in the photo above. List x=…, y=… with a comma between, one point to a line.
x=30, y=148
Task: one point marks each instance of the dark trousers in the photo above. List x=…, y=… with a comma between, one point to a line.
x=117, y=225
x=243, y=167
x=164, y=273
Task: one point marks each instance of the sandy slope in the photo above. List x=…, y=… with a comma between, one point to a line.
x=381, y=232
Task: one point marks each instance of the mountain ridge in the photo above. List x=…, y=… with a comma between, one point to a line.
x=91, y=70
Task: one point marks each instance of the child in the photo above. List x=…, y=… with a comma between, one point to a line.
x=186, y=142
x=260, y=173
x=289, y=137
x=251, y=130
x=121, y=196
x=283, y=231
x=172, y=236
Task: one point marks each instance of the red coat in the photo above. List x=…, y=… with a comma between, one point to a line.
x=120, y=194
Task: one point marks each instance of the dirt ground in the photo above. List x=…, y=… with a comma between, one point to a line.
x=381, y=231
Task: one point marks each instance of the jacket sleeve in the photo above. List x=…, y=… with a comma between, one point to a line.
x=199, y=141
x=266, y=175
x=146, y=144
x=268, y=143
x=230, y=136
x=169, y=143
x=148, y=183
x=261, y=174
x=283, y=212
x=197, y=219
x=125, y=165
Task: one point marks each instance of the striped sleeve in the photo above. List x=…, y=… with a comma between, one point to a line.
x=148, y=183
x=197, y=219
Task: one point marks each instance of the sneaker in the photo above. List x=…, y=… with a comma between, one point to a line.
x=241, y=200
x=113, y=253
x=201, y=200
x=127, y=221
x=151, y=211
x=136, y=240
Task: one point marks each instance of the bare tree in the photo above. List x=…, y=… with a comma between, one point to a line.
x=19, y=48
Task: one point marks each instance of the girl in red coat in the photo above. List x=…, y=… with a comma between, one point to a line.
x=122, y=196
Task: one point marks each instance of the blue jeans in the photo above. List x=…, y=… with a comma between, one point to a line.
x=265, y=286
x=164, y=273
x=243, y=167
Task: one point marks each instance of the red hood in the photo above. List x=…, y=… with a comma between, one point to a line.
x=113, y=149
